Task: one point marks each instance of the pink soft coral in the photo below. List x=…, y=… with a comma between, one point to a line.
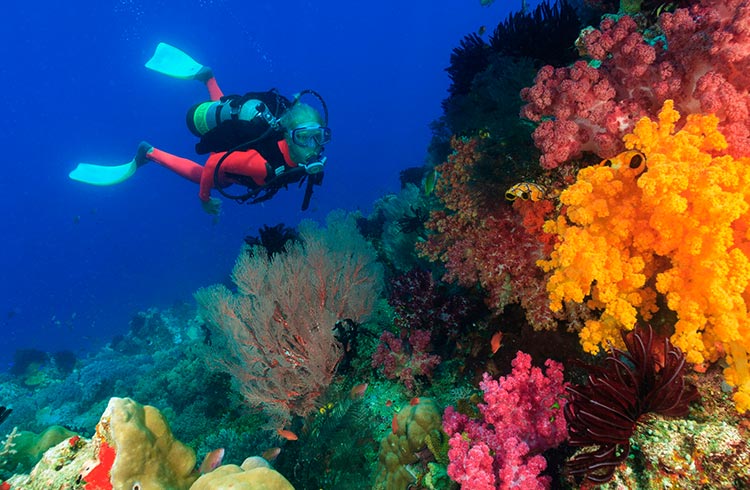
x=703, y=66
x=521, y=418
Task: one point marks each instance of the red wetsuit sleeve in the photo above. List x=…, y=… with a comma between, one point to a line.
x=214, y=92
x=246, y=163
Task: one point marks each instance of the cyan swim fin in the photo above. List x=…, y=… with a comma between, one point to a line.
x=103, y=175
x=173, y=62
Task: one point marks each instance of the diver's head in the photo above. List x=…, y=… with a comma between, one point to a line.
x=305, y=133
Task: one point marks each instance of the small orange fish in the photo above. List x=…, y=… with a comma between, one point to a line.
x=394, y=423
x=271, y=454
x=358, y=391
x=496, y=340
x=482, y=30
x=414, y=401
x=287, y=434
x=388, y=403
x=211, y=461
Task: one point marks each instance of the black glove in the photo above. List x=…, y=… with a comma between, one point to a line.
x=204, y=74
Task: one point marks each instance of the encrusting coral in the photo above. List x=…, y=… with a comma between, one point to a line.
x=133, y=448
x=676, y=224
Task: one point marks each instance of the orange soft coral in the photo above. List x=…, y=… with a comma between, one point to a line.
x=678, y=228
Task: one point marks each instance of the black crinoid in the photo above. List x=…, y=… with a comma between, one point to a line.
x=273, y=238
x=649, y=377
x=470, y=58
x=546, y=34
x=4, y=413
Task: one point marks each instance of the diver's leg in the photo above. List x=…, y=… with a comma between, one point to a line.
x=214, y=92
x=181, y=166
x=206, y=75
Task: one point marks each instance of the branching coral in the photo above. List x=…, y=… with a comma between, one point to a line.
x=679, y=228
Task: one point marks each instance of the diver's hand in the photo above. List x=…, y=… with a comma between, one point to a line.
x=212, y=206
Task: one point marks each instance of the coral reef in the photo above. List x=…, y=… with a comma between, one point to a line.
x=675, y=226
x=400, y=449
x=482, y=240
x=133, y=448
x=521, y=417
x=275, y=335
x=23, y=449
x=649, y=377
x=407, y=358
x=561, y=209
x=248, y=476
x=700, y=64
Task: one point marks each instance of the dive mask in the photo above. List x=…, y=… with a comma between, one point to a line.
x=311, y=137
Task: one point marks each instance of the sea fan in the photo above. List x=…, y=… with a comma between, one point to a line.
x=604, y=413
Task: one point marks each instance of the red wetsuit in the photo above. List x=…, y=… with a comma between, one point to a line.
x=247, y=163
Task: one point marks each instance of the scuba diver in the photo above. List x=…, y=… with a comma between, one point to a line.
x=261, y=140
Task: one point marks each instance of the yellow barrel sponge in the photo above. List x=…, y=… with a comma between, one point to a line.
x=233, y=477
x=147, y=456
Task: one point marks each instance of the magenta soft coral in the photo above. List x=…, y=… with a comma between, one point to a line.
x=405, y=358
x=419, y=302
x=703, y=67
x=521, y=417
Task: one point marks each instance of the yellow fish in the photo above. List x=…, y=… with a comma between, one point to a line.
x=429, y=181
x=528, y=191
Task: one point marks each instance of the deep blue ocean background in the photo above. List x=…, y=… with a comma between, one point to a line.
x=79, y=261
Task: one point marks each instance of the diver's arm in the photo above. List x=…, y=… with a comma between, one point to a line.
x=249, y=163
x=207, y=177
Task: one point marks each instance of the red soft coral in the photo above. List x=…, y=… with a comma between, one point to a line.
x=704, y=66
x=406, y=358
x=481, y=240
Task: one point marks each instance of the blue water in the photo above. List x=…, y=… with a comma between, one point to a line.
x=78, y=261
